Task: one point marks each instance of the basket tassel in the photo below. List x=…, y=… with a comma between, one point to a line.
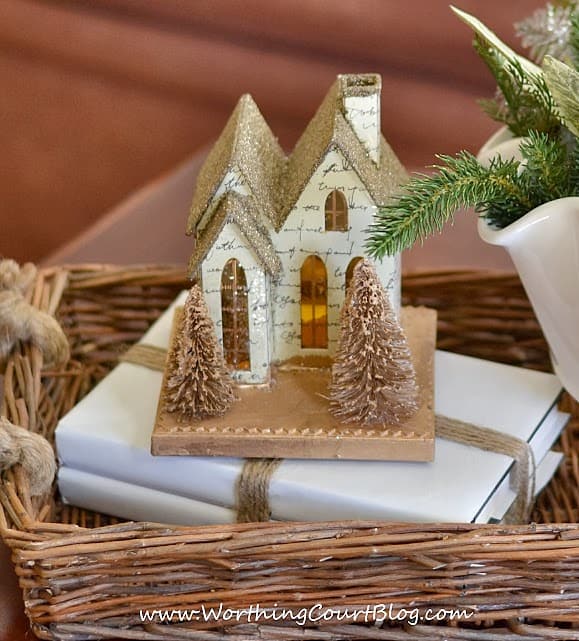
x=32, y=451
x=20, y=321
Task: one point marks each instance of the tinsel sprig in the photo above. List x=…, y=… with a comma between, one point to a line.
x=550, y=31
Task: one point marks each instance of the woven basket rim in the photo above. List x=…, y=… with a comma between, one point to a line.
x=44, y=549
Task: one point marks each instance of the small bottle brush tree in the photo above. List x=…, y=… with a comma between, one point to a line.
x=198, y=384
x=373, y=379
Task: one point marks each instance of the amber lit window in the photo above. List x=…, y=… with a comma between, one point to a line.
x=350, y=270
x=336, y=212
x=234, y=315
x=314, y=304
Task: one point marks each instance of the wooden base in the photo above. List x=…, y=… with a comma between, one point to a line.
x=290, y=419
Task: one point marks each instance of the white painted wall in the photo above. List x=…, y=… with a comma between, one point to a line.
x=232, y=244
x=303, y=234
x=274, y=310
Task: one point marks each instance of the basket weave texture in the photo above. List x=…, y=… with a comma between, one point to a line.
x=87, y=576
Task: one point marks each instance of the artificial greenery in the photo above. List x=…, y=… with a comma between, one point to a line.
x=524, y=101
x=542, y=107
x=563, y=83
x=505, y=190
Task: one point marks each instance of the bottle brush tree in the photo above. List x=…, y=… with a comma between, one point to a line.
x=373, y=379
x=198, y=383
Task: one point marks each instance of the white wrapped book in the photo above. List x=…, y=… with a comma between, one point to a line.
x=136, y=503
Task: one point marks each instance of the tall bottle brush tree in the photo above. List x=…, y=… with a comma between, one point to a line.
x=373, y=378
x=198, y=383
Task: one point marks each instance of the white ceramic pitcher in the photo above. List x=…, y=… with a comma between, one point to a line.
x=544, y=246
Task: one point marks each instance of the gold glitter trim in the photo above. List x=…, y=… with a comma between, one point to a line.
x=238, y=209
x=359, y=84
x=327, y=130
x=338, y=431
x=276, y=182
x=248, y=145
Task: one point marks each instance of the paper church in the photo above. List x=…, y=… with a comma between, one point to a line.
x=277, y=237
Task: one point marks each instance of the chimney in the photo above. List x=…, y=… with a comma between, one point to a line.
x=361, y=107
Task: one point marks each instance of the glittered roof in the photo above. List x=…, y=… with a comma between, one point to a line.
x=276, y=182
x=329, y=129
x=234, y=207
x=247, y=144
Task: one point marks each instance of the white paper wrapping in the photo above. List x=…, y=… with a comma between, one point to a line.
x=129, y=501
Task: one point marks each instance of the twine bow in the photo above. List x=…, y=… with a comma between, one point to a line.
x=21, y=321
x=32, y=451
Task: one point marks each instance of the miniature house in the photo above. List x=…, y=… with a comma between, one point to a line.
x=277, y=237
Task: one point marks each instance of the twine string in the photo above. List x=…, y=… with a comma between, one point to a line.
x=252, y=486
x=149, y=356
x=21, y=321
x=489, y=440
x=20, y=446
x=252, y=489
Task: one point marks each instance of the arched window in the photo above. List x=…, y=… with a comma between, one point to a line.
x=336, y=212
x=234, y=315
x=314, y=303
x=350, y=270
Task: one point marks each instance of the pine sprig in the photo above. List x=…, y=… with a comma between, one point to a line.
x=430, y=200
x=538, y=104
x=503, y=192
x=525, y=102
x=547, y=166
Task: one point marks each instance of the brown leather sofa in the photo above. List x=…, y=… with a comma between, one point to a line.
x=100, y=96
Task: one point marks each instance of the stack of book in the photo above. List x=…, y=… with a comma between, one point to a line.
x=105, y=462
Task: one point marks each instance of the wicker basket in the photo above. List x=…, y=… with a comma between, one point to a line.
x=86, y=576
